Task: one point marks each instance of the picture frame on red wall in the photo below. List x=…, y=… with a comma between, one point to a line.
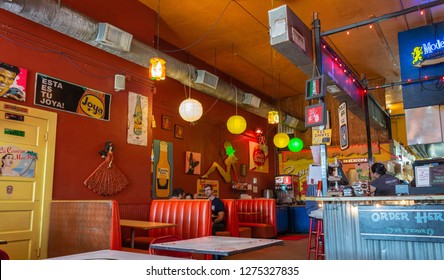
x=166, y=122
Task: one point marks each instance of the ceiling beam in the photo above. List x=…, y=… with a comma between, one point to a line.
x=384, y=17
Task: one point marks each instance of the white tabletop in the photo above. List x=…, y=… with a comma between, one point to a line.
x=217, y=245
x=113, y=255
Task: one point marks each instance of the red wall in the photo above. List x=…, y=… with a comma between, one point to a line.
x=79, y=139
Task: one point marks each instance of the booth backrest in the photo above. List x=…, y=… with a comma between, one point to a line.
x=231, y=217
x=78, y=226
x=265, y=209
x=192, y=216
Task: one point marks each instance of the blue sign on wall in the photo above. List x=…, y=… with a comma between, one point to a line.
x=421, y=54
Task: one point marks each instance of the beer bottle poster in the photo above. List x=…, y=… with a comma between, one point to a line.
x=61, y=95
x=163, y=169
x=137, y=119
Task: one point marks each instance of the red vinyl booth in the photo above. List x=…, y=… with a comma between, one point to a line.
x=259, y=215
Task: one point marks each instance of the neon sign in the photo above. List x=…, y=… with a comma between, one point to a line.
x=429, y=54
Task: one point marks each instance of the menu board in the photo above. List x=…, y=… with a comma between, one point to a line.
x=422, y=176
x=437, y=176
x=407, y=223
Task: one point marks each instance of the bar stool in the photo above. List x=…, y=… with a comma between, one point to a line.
x=316, y=232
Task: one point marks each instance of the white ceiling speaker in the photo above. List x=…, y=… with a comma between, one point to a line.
x=206, y=78
x=113, y=37
x=119, y=82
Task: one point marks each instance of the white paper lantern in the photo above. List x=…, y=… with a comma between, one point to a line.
x=190, y=110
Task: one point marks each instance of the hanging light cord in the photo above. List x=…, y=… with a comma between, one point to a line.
x=236, y=96
x=158, y=24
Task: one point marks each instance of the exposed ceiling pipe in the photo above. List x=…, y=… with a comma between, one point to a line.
x=60, y=18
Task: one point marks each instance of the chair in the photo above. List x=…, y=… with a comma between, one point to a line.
x=169, y=238
x=3, y=255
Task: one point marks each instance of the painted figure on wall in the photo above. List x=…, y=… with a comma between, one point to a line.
x=230, y=161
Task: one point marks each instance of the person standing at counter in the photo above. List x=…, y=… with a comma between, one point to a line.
x=384, y=184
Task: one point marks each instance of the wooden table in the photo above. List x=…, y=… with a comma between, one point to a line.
x=145, y=225
x=218, y=246
x=113, y=255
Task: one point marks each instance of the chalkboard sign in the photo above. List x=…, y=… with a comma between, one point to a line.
x=407, y=223
x=437, y=176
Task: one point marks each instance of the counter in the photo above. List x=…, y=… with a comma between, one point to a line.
x=384, y=227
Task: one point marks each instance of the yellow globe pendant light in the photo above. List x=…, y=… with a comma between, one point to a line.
x=281, y=140
x=190, y=110
x=236, y=124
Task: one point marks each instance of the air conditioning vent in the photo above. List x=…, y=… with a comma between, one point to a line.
x=252, y=100
x=206, y=78
x=114, y=37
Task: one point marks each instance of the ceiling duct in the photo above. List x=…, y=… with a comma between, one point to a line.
x=54, y=15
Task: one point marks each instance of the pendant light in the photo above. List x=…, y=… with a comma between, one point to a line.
x=190, y=109
x=281, y=139
x=157, y=68
x=295, y=145
x=236, y=124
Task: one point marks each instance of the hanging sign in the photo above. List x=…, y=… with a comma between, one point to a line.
x=343, y=126
x=321, y=137
x=315, y=115
x=61, y=95
x=315, y=88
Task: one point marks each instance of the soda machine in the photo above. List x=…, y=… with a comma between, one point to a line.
x=285, y=186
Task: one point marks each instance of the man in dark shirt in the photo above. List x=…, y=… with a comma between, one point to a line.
x=384, y=184
x=218, y=210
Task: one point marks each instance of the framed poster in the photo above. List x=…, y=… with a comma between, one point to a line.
x=315, y=115
x=166, y=122
x=137, y=119
x=178, y=131
x=192, y=162
x=14, y=82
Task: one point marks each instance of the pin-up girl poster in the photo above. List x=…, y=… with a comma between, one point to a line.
x=17, y=162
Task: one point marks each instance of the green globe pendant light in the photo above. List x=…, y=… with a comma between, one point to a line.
x=295, y=145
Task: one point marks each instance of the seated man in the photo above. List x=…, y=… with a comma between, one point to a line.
x=178, y=193
x=218, y=210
